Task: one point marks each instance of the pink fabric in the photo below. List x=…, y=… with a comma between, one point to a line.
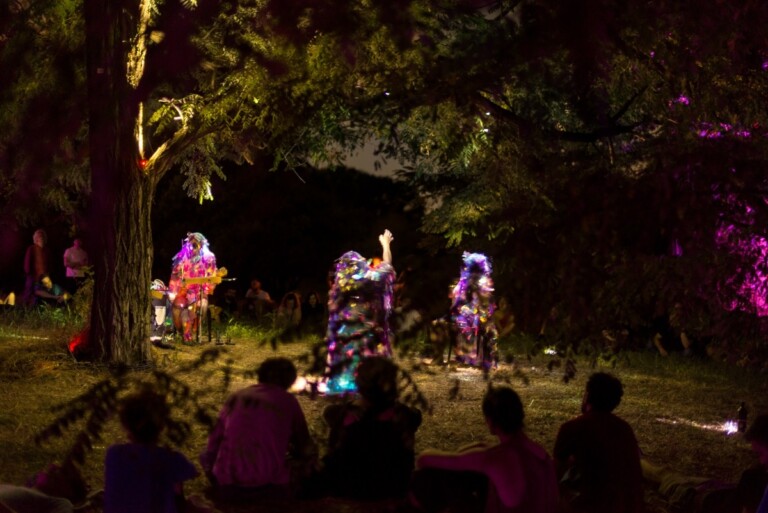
x=250, y=443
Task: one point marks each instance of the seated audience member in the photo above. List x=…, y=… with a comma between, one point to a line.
x=48, y=292
x=141, y=475
x=513, y=475
x=288, y=312
x=757, y=435
x=598, y=459
x=257, y=301
x=261, y=441
x=313, y=314
x=54, y=490
x=371, y=441
x=503, y=318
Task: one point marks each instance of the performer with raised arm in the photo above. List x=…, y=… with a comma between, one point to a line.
x=359, y=304
x=193, y=279
x=471, y=313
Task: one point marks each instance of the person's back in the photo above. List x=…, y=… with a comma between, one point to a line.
x=143, y=477
x=528, y=464
x=598, y=455
x=516, y=475
x=371, y=441
x=257, y=428
x=372, y=456
x=140, y=475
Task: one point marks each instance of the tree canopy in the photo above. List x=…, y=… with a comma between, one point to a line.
x=608, y=155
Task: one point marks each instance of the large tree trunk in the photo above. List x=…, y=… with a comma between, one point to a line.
x=121, y=194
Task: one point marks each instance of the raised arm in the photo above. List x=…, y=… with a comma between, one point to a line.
x=385, y=239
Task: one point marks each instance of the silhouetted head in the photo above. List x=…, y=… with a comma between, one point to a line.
x=277, y=371
x=603, y=392
x=144, y=416
x=503, y=409
x=376, y=381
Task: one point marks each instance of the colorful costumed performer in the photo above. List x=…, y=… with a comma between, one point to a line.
x=193, y=274
x=471, y=313
x=359, y=304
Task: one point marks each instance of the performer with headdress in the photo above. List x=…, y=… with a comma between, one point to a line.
x=359, y=304
x=471, y=313
x=189, y=286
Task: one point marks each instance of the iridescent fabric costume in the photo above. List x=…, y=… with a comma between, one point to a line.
x=189, y=263
x=359, y=305
x=471, y=313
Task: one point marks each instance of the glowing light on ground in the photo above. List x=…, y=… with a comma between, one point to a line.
x=728, y=427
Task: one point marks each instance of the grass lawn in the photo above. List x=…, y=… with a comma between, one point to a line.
x=677, y=406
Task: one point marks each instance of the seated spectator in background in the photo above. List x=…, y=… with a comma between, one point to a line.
x=229, y=303
x=75, y=262
x=260, y=447
x=257, y=301
x=288, y=312
x=371, y=440
x=503, y=318
x=514, y=475
x=7, y=299
x=598, y=459
x=757, y=435
x=313, y=314
x=48, y=292
x=141, y=475
x=54, y=490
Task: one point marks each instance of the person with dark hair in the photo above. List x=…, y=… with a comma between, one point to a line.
x=141, y=475
x=260, y=446
x=47, y=292
x=371, y=440
x=757, y=436
x=598, y=459
x=514, y=475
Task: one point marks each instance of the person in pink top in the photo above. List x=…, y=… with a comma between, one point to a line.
x=261, y=439
x=515, y=475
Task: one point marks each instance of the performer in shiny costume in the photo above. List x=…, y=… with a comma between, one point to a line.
x=471, y=313
x=190, y=301
x=359, y=305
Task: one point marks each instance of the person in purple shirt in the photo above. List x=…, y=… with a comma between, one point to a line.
x=141, y=476
x=260, y=446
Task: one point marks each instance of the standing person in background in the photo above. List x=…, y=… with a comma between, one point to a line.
x=359, y=306
x=597, y=456
x=75, y=262
x=35, y=265
x=193, y=279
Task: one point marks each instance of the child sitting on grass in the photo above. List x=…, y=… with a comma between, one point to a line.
x=141, y=476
